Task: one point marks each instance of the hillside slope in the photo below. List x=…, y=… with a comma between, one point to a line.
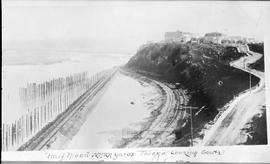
x=259, y=48
x=202, y=69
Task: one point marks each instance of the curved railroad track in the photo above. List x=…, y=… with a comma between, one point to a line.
x=165, y=123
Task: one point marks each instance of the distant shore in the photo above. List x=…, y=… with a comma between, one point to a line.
x=47, y=57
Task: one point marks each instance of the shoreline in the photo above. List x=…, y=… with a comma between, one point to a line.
x=163, y=121
x=57, y=133
x=154, y=113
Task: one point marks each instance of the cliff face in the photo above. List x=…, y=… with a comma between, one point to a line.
x=203, y=69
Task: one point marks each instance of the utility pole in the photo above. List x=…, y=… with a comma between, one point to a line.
x=249, y=81
x=191, y=122
x=191, y=118
x=191, y=128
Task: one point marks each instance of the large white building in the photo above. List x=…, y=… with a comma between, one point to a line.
x=213, y=37
x=179, y=36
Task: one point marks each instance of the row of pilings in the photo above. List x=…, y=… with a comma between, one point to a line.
x=43, y=103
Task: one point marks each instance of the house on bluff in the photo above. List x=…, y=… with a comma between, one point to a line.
x=179, y=36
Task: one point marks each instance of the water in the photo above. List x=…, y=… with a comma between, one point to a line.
x=16, y=76
x=122, y=109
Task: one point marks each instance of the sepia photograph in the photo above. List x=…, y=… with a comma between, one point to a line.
x=80, y=75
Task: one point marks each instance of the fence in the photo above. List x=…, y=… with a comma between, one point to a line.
x=43, y=103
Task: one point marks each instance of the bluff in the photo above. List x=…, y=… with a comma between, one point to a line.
x=202, y=69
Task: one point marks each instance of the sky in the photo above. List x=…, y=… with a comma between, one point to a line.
x=121, y=26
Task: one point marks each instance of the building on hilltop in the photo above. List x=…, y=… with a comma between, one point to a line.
x=179, y=36
x=213, y=37
x=237, y=40
x=213, y=34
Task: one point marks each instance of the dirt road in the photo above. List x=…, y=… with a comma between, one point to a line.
x=228, y=128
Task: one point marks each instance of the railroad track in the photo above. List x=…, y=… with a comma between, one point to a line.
x=41, y=139
x=178, y=95
x=170, y=113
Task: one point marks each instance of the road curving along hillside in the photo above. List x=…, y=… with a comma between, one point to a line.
x=228, y=129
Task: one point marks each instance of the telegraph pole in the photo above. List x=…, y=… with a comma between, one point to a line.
x=191, y=128
x=249, y=81
x=191, y=122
